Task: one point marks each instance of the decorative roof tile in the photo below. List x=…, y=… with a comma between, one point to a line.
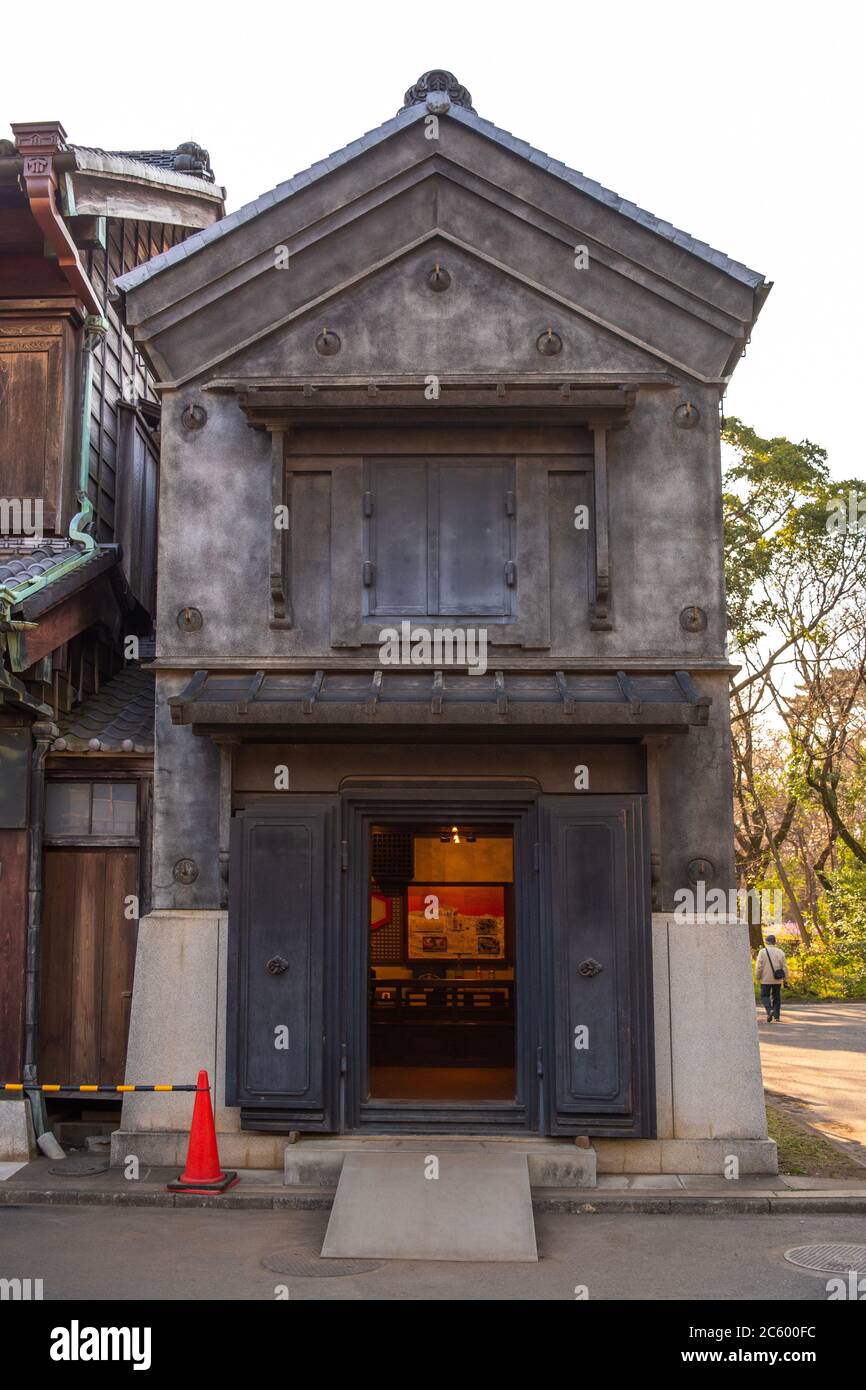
x=20, y=565
x=29, y=569
x=117, y=719
x=188, y=158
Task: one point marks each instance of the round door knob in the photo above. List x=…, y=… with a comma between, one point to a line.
x=276, y=965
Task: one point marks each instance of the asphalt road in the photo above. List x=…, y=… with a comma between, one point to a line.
x=132, y=1253
x=817, y=1054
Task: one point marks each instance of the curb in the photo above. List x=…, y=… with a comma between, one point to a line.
x=243, y=1201
x=575, y=1205
x=571, y=1204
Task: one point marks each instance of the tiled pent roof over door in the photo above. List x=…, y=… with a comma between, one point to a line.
x=439, y=698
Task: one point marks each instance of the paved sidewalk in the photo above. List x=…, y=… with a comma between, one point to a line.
x=817, y=1056
x=262, y=1189
x=108, y=1254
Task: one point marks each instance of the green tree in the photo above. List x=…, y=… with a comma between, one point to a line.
x=795, y=569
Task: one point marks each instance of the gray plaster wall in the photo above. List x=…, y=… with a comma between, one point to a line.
x=185, y=808
x=696, y=796
x=666, y=554
x=216, y=521
x=214, y=532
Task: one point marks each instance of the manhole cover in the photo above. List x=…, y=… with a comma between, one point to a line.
x=308, y=1264
x=829, y=1259
x=80, y=1167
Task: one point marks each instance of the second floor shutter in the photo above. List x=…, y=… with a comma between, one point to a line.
x=439, y=540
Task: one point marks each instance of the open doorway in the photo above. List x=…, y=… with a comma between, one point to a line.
x=442, y=983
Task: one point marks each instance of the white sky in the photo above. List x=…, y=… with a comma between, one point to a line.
x=741, y=123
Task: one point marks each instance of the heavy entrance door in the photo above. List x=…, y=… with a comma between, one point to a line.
x=542, y=1024
x=282, y=1047
x=598, y=965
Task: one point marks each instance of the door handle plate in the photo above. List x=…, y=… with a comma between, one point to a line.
x=589, y=967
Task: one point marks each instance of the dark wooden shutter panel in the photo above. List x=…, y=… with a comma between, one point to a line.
x=282, y=924
x=473, y=546
x=398, y=532
x=439, y=538
x=599, y=945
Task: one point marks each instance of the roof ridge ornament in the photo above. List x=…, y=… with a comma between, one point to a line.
x=439, y=87
x=192, y=158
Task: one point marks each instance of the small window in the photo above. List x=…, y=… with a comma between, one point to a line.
x=78, y=809
x=67, y=808
x=113, y=808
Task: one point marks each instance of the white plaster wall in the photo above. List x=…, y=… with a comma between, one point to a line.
x=708, y=1067
x=177, y=1024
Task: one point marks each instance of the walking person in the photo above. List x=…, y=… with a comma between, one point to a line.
x=771, y=970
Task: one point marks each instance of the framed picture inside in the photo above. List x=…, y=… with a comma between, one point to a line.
x=456, y=921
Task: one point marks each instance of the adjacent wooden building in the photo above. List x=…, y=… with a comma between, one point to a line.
x=79, y=481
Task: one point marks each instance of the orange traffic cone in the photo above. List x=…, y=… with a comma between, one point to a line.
x=202, y=1172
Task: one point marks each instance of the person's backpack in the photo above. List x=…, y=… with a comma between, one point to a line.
x=778, y=974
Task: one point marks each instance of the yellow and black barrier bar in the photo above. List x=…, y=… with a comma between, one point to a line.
x=89, y=1090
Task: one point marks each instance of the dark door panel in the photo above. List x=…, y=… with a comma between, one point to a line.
x=595, y=897
x=282, y=971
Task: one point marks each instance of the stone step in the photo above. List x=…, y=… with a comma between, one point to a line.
x=465, y=1202
x=73, y=1134
x=550, y=1162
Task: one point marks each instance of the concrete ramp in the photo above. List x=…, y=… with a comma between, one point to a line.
x=432, y=1203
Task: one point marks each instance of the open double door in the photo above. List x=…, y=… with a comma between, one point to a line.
x=299, y=977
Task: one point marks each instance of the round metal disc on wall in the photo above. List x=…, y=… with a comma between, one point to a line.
x=439, y=279
x=687, y=416
x=693, y=619
x=185, y=871
x=328, y=343
x=308, y=1264
x=193, y=416
x=829, y=1259
x=190, y=619
x=549, y=344
x=701, y=871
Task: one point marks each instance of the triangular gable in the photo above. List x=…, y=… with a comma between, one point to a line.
x=490, y=197
x=498, y=317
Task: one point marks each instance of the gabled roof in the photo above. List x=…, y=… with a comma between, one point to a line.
x=438, y=102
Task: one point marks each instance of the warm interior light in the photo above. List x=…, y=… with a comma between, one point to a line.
x=455, y=835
